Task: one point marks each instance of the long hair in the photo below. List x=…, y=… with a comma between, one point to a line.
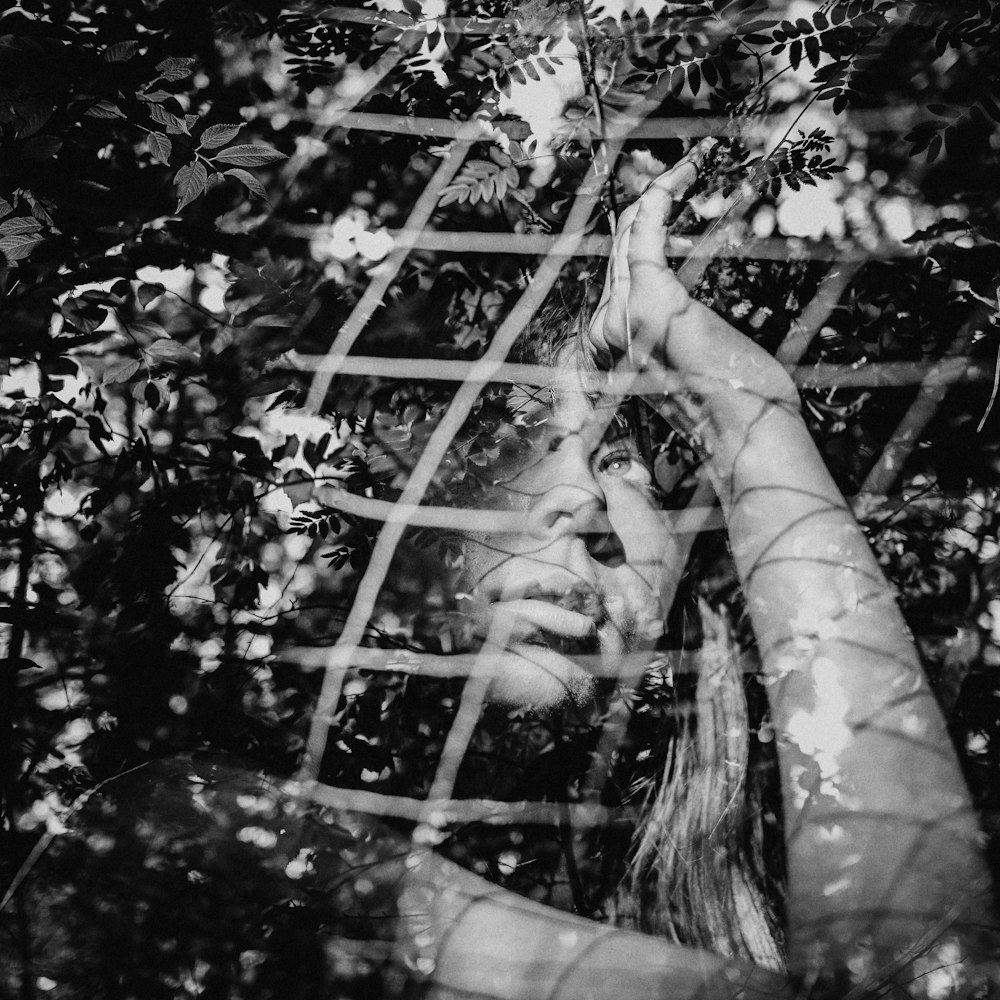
x=697, y=872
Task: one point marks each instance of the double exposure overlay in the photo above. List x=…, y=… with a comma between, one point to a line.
x=499, y=499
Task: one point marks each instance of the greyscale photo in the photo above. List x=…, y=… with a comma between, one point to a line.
x=499, y=500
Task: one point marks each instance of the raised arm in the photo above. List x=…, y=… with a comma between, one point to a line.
x=883, y=847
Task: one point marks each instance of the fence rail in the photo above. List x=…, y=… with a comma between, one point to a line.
x=933, y=379
x=545, y=244
x=822, y=375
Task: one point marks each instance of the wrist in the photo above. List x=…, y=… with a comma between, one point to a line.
x=745, y=425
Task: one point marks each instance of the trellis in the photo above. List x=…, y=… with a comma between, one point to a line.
x=440, y=809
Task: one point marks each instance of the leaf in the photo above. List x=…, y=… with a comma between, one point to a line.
x=991, y=107
x=170, y=352
x=694, y=79
x=147, y=328
x=120, y=372
x=161, y=116
x=795, y=53
x=121, y=51
x=515, y=129
x=97, y=432
x=218, y=135
x=248, y=180
x=176, y=67
x=17, y=246
x=32, y=118
x=160, y=147
x=104, y=109
x=248, y=155
x=147, y=292
x=190, y=182
x=22, y=224
x=812, y=50
x=40, y=147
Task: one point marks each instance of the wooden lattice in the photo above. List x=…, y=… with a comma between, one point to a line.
x=934, y=378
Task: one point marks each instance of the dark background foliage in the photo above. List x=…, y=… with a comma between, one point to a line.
x=179, y=211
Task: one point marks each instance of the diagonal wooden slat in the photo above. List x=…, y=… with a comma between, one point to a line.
x=932, y=391
x=382, y=281
x=346, y=95
x=805, y=327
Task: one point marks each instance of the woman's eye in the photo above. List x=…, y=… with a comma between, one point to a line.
x=617, y=463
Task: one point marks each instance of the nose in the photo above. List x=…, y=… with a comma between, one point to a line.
x=566, y=508
x=572, y=504
x=578, y=510
x=567, y=496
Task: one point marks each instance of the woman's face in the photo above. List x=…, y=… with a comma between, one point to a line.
x=585, y=574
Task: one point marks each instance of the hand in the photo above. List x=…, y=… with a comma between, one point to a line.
x=646, y=316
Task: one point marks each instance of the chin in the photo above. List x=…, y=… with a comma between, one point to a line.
x=530, y=676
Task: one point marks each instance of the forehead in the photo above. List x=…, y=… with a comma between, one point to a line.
x=566, y=409
x=570, y=423
x=576, y=414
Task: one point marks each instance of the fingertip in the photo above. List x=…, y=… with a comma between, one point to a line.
x=701, y=148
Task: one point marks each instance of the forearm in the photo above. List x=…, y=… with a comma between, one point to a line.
x=881, y=837
x=471, y=938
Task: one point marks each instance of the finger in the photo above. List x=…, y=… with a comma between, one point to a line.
x=684, y=172
x=618, y=284
x=646, y=238
x=645, y=248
